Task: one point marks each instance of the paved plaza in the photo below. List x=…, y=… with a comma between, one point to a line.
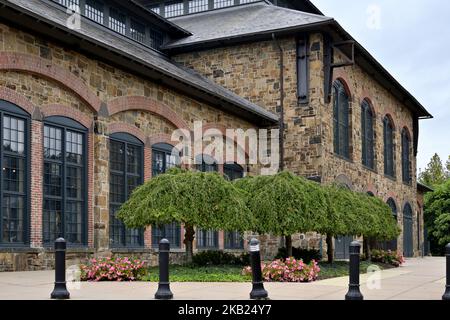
x=418, y=279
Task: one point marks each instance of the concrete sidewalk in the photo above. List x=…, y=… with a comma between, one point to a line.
x=418, y=279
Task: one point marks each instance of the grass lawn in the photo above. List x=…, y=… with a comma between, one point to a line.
x=233, y=273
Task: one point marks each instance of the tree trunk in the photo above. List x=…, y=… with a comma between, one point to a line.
x=330, y=249
x=367, y=249
x=288, y=240
x=188, y=242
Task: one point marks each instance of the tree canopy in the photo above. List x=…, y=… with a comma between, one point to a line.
x=437, y=213
x=435, y=173
x=205, y=200
x=284, y=204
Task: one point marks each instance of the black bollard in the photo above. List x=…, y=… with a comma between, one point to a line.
x=353, y=292
x=446, y=296
x=164, y=292
x=258, y=291
x=60, y=290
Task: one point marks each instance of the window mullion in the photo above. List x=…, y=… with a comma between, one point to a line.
x=125, y=185
x=1, y=177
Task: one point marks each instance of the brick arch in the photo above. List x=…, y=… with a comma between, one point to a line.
x=160, y=138
x=341, y=77
x=408, y=133
x=39, y=66
x=126, y=103
x=68, y=112
x=391, y=119
x=17, y=99
x=118, y=127
x=371, y=106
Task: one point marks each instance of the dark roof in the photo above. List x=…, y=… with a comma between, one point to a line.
x=423, y=188
x=241, y=21
x=258, y=21
x=48, y=19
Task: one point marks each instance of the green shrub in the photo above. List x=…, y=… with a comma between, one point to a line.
x=220, y=258
x=307, y=255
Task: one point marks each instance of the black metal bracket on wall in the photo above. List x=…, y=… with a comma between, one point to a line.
x=330, y=65
x=303, y=69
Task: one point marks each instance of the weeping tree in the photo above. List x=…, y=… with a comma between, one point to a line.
x=204, y=200
x=284, y=204
x=356, y=214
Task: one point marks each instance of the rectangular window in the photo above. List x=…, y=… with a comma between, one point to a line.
x=117, y=21
x=207, y=239
x=223, y=3
x=94, y=11
x=302, y=69
x=174, y=9
x=12, y=179
x=126, y=173
x=156, y=10
x=171, y=232
x=198, y=6
x=69, y=3
x=156, y=39
x=64, y=185
x=234, y=240
x=137, y=31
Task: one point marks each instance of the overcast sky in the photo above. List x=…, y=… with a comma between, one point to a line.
x=412, y=40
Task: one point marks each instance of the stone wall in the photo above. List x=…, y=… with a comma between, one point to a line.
x=252, y=71
x=47, y=80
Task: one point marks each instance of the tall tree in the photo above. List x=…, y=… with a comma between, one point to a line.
x=448, y=168
x=434, y=174
x=437, y=215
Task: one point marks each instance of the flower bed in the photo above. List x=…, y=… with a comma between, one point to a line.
x=387, y=257
x=289, y=270
x=117, y=269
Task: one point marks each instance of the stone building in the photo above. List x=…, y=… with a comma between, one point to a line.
x=89, y=100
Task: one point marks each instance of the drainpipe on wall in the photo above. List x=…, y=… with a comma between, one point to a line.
x=281, y=106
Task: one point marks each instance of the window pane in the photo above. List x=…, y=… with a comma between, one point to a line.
x=74, y=147
x=52, y=143
x=73, y=222
x=94, y=11
x=12, y=219
x=117, y=21
x=52, y=220
x=137, y=31
x=156, y=39
x=63, y=214
x=13, y=174
x=125, y=175
x=14, y=135
x=69, y=3
x=233, y=240
x=207, y=239
x=174, y=9
x=52, y=179
x=198, y=6
x=222, y=3
x=171, y=232
x=158, y=163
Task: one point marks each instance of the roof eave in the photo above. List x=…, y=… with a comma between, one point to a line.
x=122, y=59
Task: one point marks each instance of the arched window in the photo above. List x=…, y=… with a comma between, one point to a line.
x=126, y=172
x=14, y=176
x=233, y=171
x=163, y=158
x=367, y=135
x=391, y=245
x=206, y=163
x=408, y=250
x=233, y=239
x=65, y=177
x=341, y=120
x=207, y=239
x=406, y=164
x=388, y=135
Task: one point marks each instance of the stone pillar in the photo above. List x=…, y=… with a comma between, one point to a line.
x=101, y=186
